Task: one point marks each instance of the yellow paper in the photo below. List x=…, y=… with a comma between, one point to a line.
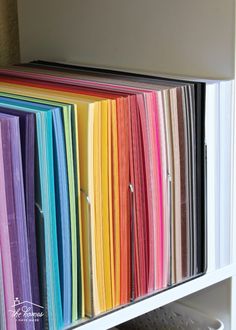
x=110, y=197
x=116, y=213
x=105, y=204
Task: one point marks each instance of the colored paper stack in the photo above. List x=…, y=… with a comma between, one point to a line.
x=102, y=189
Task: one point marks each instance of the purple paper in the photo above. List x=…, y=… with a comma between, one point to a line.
x=16, y=211
x=27, y=135
x=5, y=250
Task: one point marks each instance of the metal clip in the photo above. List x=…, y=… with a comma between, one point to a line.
x=88, y=202
x=132, y=239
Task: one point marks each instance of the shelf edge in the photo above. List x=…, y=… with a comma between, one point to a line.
x=138, y=308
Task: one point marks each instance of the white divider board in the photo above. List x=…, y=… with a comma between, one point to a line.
x=189, y=37
x=226, y=170
x=211, y=120
x=233, y=200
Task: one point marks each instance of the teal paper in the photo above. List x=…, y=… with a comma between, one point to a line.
x=47, y=205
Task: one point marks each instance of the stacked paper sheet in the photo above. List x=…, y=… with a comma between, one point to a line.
x=104, y=198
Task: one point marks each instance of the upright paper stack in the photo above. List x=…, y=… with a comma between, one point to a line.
x=103, y=185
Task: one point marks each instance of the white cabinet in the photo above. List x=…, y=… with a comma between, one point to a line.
x=184, y=37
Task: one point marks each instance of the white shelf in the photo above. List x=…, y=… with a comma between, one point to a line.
x=193, y=38
x=141, y=307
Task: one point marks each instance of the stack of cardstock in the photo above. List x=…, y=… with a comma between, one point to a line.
x=44, y=202
x=117, y=177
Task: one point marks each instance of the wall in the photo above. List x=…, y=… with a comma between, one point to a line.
x=9, y=41
x=176, y=37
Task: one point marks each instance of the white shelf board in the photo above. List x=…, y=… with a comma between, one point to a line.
x=143, y=306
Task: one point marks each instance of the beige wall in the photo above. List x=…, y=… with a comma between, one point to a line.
x=177, y=37
x=9, y=44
